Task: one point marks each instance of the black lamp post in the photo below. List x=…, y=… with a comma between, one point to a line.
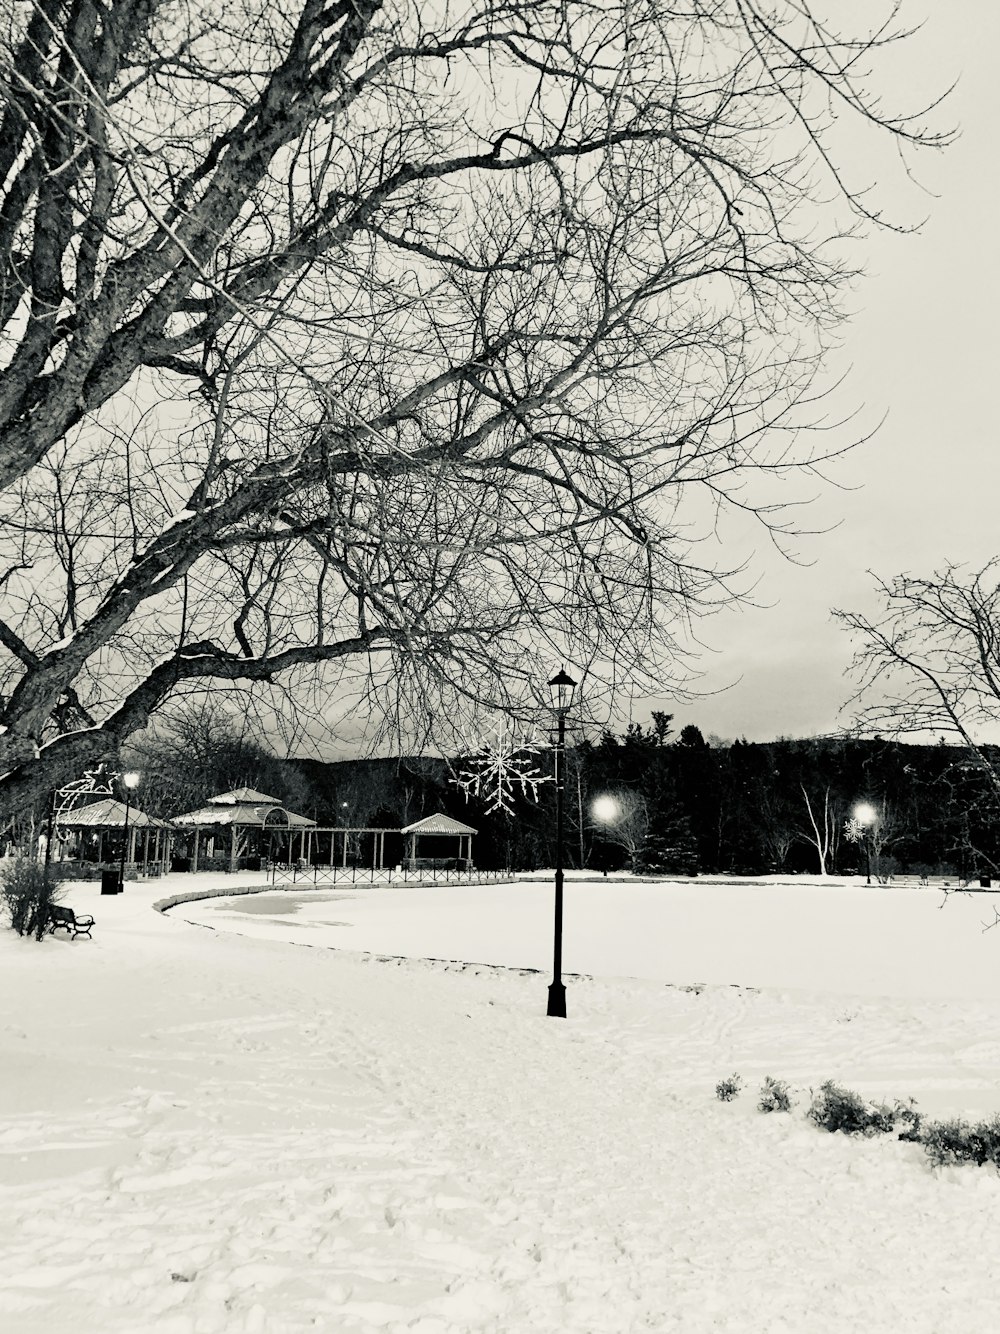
x=130, y=780
x=43, y=893
x=561, y=688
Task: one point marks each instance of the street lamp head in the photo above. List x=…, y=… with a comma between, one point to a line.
x=561, y=689
x=131, y=779
x=865, y=813
x=605, y=809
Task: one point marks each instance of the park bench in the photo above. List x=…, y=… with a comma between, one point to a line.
x=66, y=918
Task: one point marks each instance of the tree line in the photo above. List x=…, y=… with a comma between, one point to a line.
x=647, y=799
x=652, y=802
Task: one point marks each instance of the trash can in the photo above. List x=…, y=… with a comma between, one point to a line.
x=109, y=882
x=984, y=882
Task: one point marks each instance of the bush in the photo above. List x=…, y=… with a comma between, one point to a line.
x=946, y=1143
x=27, y=894
x=957, y=1141
x=835, y=1108
x=727, y=1089
x=774, y=1096
x=885, y=867
x=910, y=1119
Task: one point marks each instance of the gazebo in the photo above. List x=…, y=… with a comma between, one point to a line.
x=239, y=829
x=94, y=834
x=442, y=830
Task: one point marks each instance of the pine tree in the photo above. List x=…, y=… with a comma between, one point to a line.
x=669, y=847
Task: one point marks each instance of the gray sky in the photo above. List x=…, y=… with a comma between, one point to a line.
x=924, y=348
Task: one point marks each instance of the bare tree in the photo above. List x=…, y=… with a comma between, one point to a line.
x=628, y=826
x=824, y=827
x=886, y=830
x=354, y=350
x=776, y=826
x=884, y=825
x=203, y=748
x=929, y=662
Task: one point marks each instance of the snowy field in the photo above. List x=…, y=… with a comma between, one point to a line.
x=242, y=1129
x=809, y=934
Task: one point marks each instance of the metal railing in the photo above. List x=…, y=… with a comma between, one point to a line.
x=362, y=875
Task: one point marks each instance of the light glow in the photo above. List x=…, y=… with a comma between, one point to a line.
x=605, y=809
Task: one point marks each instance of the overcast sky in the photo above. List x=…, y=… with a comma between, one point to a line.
x=923, y=349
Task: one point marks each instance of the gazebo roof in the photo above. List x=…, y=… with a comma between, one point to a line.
x=109, y=814
x=438, y=824
x=256, y=815
x=243, y=796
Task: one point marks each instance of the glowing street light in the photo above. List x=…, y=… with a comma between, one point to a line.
x=865, y=814
x=605, y=809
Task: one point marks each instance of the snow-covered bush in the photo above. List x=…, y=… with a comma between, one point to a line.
x=833, y=1107
x=27, y=894
x=728, y=1089
x=774, y=1096
x=836, y=1108
x=958, y=1141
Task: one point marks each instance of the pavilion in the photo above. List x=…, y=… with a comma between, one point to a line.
x=242, y=829
x=94, y=835
x=441, y=829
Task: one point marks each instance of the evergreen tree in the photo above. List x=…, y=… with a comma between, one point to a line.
x=669, y=847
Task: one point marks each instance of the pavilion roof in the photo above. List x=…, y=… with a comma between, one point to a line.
x=244, y=813
x=438, y=824
x=109, y=814
x=244, y=796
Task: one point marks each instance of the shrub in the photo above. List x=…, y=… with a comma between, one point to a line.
x=727, y=1089
x=774, y=1096
x=911, y=1121
x=835, y=1108
x=27, y=894
x=957, y=1141
x=884, y=868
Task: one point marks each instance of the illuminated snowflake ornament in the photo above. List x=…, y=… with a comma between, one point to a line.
x=500, y=767
x=854, y=831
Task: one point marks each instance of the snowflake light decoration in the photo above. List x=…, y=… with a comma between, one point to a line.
x=854, y=831
x=499, y=767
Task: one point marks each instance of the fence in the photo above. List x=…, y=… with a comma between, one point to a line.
x=361, y=875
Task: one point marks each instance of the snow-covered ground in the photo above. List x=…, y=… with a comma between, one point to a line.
x=804, y=933
x=240, y=1129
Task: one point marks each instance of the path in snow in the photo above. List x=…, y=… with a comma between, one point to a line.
x=203, y=1133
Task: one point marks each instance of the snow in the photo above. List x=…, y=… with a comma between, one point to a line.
x=849, y=938
x=57, y=647
x=180, y=517
x=243, y=1129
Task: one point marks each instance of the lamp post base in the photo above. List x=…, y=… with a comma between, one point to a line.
x=557, y=1001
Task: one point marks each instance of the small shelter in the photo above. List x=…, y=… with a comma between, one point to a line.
x=438, y=833
x=241, y=830
x=94, y=835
